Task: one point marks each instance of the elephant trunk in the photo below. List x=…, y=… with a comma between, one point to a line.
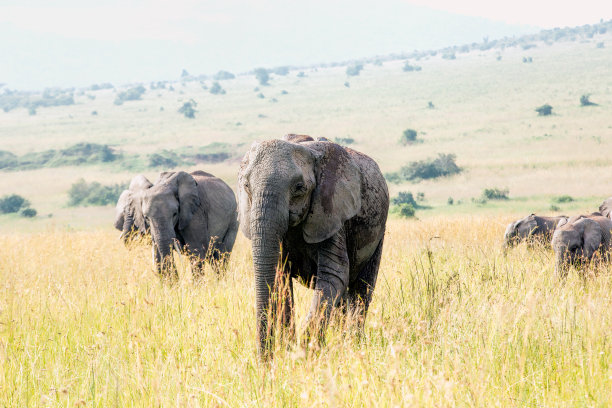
x=562, y=261
x=128, y=225
x=268, y=225
x=162, y=249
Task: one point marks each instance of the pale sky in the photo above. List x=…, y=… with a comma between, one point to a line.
x=79, y=42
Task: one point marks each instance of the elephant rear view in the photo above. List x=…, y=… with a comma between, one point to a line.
x=531, y=227
x=326, y=206
x=579, y=239
x=195, y=212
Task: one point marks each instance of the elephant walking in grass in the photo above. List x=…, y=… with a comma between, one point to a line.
x=530, y=228
x=325, y=208
x=579, y=239
x=195, y=213
x=128, y=213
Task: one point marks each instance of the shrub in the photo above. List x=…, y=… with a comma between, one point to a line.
x=420, y=196
x=165, y=158
x=449, y=56
x=301, y=74
x=404, y=197
x=344, y=140
x=495, y=193
x=554, y=208
x=527, y=60
x=407, y=210
x=409, y=68
x=131, y=94
x=347, y=84
x=281, y=71
x=450, y=201
x=223, y=75
x=28, y=212
x=261, y=95
x=188, y=109
x=354, y=69
x=8, y=159
x=83, y=193
x=584, y=101
x=12, y=203
x=408, y=137
x=443, y=165
x=544, y=110
x=216, y=89
x=262, y=76
x=563, y=199
x=430, y=105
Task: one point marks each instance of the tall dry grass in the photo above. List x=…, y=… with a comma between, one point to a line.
x=454, y=322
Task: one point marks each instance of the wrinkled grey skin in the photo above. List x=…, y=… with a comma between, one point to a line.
x=327, y=206
x=128, y=213
x=606, y=208
x=530, y=227
x=579, y=239
x=189, y=211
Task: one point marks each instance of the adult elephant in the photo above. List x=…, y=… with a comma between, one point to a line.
x=326, y=206
x=606, y=207
x=530, y=227
x=128, y=212
x=195, y=212
x=579, y=239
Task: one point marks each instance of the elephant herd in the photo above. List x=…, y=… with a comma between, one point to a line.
x=313, y=210
x=575, y=240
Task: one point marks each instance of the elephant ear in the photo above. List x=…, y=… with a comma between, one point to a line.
x=244, y=200
x=188, y=197
x=337, y=195
x=606, y=208
x=122, y=205
x=562, y=221
x=510, y=232
x=592, y=236
x=527, y=225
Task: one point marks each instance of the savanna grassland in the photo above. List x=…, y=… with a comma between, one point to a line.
x=454, y=320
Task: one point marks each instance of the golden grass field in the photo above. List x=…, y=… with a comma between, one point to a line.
x=454, y=322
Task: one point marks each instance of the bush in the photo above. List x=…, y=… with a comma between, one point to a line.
x=450, y=201
x=165, y=158
x=301, y=74
x=188, y=109
x=404, y=197
x=443, y=165
x=8, y=159
x=584, y=101
x=344, y=140
x=408, y=137
x=495, y=193
x=407, y=210
x=261, y=95
x=281, y=71
x=449, y=56
x=262, y=76
x=563, y=199
x=216, y=89
x=131, y=94
x=527, y=60
x=12, y=203
x=354, y=69
x=223, y=75
x=82, y=193
x=544, y=110
x=28, y=212
x=554, y=208
x=430, y=105
x=409, y=68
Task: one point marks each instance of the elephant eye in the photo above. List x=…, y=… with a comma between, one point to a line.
x=299, y=188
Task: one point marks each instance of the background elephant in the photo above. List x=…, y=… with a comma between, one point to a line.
x=128, y=212
x=532, y=226
x=606, y=207
x=196, y=212
x=578, y=239
x=327, y=206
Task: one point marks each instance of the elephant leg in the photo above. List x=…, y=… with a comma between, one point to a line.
x=196, y=256
x=330, y=285
x=360, y=291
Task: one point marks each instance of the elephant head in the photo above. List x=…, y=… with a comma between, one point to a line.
x=606, y=207
x=576, y=241
x=128, y=212
x=168, y=207
x=311, y=188
x=519, y=229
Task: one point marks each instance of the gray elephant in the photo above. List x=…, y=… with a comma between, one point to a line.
x=606, y=207
x=578, y=239
x=531, y=227
x=128, y=213
x=195, y=212
x=326, y=206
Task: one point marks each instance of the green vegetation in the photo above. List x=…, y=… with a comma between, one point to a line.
x=75, y=155
x=10, y=100
x=262, y=76
x=585, y=101
x=408, y=137
x=409, y=68
x=28, y=213
x=544, y=110
x=282, y=71
x=441, y=166
x=563, y=199
x=188, y=109
x=495, y=193
x=354, y=69
x=82, y=193
x=216, y=89
x=14, y=203
x=165, y=159
x=344, y=140
x=223, y=75
x=131, y=94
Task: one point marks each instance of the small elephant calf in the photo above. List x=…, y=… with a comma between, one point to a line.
x=579, y=238
x=530, y=227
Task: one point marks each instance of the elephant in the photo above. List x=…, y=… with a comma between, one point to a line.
x=128, y=216
x=532, y=226
x=321, y=210
x=606, y=207
x=194, y=211
x=577, y=240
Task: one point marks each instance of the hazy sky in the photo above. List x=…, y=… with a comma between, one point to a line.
x=79, y=42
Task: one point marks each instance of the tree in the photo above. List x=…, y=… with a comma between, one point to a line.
x=216, y=89
x=584, y=101
x=12, y=203
x=262, y=76
x=354, y=69
x=409, y=137
x=222, y=75
x=544, y=110
x=188, y=109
